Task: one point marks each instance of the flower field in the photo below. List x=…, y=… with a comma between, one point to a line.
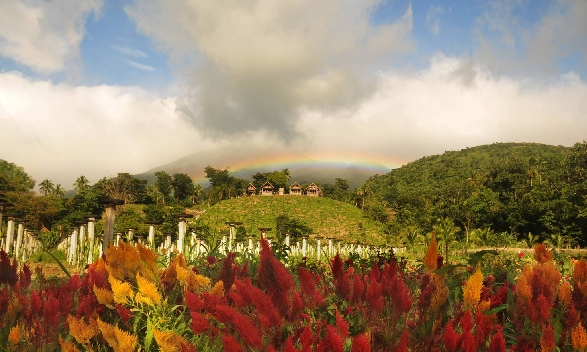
x=130, y=300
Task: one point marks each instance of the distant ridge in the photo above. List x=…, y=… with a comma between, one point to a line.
x=302, y=172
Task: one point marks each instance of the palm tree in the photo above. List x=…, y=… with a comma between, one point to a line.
x=46, y=187
x=58, y=191
x=446, y=232
x=81, y=184
x=483, y=237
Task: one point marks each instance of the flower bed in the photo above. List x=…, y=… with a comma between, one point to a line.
x=128, y=301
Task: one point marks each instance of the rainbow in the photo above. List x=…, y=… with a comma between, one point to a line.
x=279, y=161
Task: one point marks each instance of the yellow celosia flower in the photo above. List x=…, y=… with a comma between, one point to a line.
x=104, y=296
x=122, y=261
x=430, y=261
x=125, y=341
x=579, y=338
x=122, y=291
x=67, y=346
x=119, y=340
x=148, y=290
x=472, y=290
x=218, y=289
x=182, y=274
x=81, y=331
x=168, y=340
x=14, y=336
x=197, y=283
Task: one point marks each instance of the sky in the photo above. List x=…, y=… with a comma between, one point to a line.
x=97, y=87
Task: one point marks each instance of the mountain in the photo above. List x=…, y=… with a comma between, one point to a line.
x=248, y=162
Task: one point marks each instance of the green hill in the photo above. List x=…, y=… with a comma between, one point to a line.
x=327, y=217
x=520, y=188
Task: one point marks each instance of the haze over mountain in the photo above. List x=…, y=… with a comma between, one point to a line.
x=245, y=162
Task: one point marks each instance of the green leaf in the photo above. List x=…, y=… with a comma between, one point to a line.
x=475, y=258
x=58, y=262
x=149, y=336
x=496, y=309
x=445, y=269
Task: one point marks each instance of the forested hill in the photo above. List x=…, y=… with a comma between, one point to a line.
x=520, y=188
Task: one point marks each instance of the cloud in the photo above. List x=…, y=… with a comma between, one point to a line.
x=257, y=64
x=508, y=41
x=60, y=131
x=44, y=35
x=130, y=51
x=140, y=66
x=433, y=18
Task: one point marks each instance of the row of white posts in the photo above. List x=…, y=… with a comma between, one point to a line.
x=83, y=246
x=21, y=244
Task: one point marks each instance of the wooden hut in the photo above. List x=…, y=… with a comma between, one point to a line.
x=251, y=190
x=267, y=189
x=313, y=190
x=295, y=189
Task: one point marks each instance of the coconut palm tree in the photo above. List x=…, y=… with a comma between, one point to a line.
x=46, y=187
x=58, y=191
x=446, y=233
x=81, y=183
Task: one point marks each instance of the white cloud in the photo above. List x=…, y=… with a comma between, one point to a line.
x=62, y=131
x=44, y=35
x=257, y=63
x=130, y=51
x=433, y=18
x=140, y=66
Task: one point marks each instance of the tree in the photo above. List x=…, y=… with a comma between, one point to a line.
x=46, y=187
x=183, y=187
x=58, y=191
x=13, y=178
x=164, y=184
x=81, y=184
x=294, y=227
x=446, y=233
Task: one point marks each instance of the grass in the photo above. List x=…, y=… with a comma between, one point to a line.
x=327, y=217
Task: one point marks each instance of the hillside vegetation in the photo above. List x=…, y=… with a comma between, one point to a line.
x=326, y=217
x=525, y=189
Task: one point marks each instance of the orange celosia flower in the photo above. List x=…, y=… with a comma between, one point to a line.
x=472, y=290
x=122, y=291
x=149, y=259
x=81, y=331
x=148, y=290
x=440, y=294
x=14, y=336
x=430, y=261
x=104, y=296
x=580, y=271
x=169, y=341
x=564, y=293
x=523, y=288
x=579, y=338
x=218, y=289
x=542, y=254
x=122, y=261
x=67, y=346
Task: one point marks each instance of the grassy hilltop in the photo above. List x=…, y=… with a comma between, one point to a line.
x=327, y=217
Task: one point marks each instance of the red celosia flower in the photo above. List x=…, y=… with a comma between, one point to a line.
x=332, y=341
x=497, y=343
x=288, y=346
x=24, y=277
x=483, y=328
x=193, y=301
x=274, y=277
x=308, y=285
x=342, y=325
x=241, y=323
x=361, y=344
x=306, y=339
x=124, y=313
x=211, y=260
x=374, y=297
x=199, y=323
x=467, y=321
x=547, y=339
x=227, y=274
x=8, y=271
x=468, y=343
x=230, y=344
x=450, y=338
x=337, y=267
x=297, y=304
x=51, y=311
x=268, y=314
x=403, y=342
